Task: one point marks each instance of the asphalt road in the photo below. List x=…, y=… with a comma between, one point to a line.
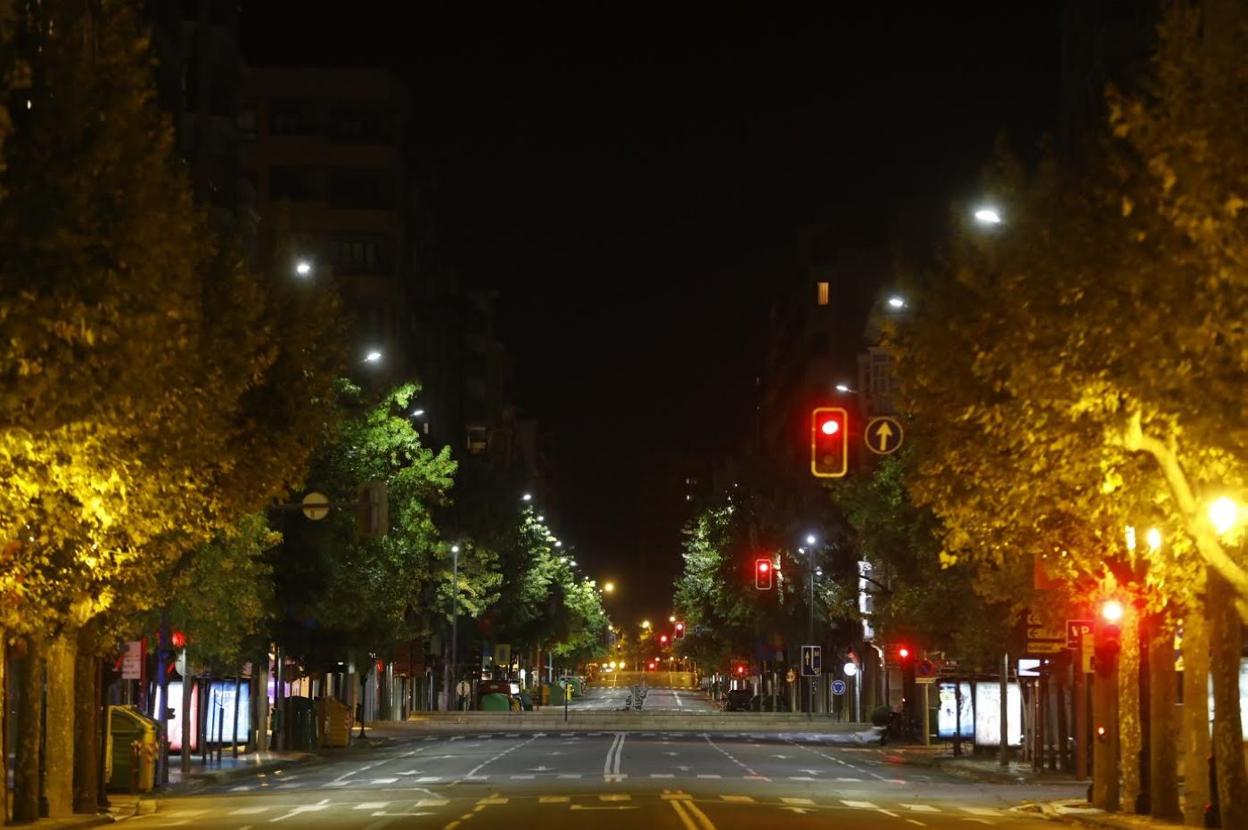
x=678, y=780
x=614, y=698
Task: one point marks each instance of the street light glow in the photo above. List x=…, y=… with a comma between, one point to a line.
x=850, y=669
x=988, y=215
x=527, y=497
x=608, y=587
x=1223, y=513
x=897, y=301
x=1153, y=537
x=416, y=413
x=454, y=548
x=810, y=538
x=1112, y=611
x=672, y=618
x=841, y=387
x=372, y=357
x=303, y=268
x=645, y=623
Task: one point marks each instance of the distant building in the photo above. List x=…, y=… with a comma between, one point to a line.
x=326, y=150
x=199, y=77
x=675, y=486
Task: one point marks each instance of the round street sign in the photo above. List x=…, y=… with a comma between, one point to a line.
x=925, y=668
x=883, y=435
x=315, y=506
x=838, y=687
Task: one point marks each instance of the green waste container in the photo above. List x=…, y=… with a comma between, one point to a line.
x=556, y=693
x=495, y=702
x=131, y=739
x=299, y=723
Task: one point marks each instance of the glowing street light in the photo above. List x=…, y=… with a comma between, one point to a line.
x=897, y=302
x=810, y=538
x=988, y=215
x=527, y=497
x=843, y=388
x=373, y=356
x=1153, y=537
x=672, y=618
x=645, y=624
x=303, y=268
x=850, y=669
x=1223, y=513
x=608, y=587
x=1112, y=610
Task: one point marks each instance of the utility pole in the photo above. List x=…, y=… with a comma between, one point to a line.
x=1004, y=758
x=452, y=690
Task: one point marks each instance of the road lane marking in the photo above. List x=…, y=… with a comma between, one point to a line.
x=430, y=779
x=371, y=805
x=323, y=804
x=662, y=775
x=737, y=799
x=845, y=780
x=704, y=822
x=920, y=808
x=249, y=811
x=493, y=799
x=615, y=797
x=679, y=705
x=709, y=776
x=915, y=821
x=384, y=780
x=860, y=805
x=569, y=775
x=799, y=802
x=611, y=764
x=553, y=799
x=523, y=777
x=687, y=820
x=431, y=802
x=982, y=811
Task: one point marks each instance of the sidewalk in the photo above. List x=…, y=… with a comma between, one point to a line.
x=1078, y=811
x=121, y=806
x=980, y=768
x=248, y=763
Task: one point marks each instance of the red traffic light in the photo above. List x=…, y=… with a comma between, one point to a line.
x=663, y=639
x=829, y=444
x=762, y=574
x=680, y=630
x=740, y=669
x=903, y=652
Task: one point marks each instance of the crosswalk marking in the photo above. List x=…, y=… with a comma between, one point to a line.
x=737, y=799
x=431, y=802
x=615, y=797
x=429, y=779
x=371, y=805
x=920, y=808
x=494, y=799
x=384, y=780
x=662, y=775
x=710, y=776
x=553, y=799
x=860, y=805
x=982, y=811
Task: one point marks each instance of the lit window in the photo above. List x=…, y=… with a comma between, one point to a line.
x=823, y=293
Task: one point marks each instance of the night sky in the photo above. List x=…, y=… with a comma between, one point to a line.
x=634, y=181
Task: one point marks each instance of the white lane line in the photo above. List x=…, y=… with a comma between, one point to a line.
x=384, y=780
x=611, y=765
x=507, y=751
x=573, y=775
x=523, y=777
x=850, y=780
x=371, y=805
x=920, y=808
x=737, y=799
x=323, y=804
x=709, y=776
x=860, y=805
x=679, y=705
x=982, y=811
x=799, y=802
x=916, y=822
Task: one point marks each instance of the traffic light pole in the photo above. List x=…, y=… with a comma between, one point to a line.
x=1105, y=750
x=810, y=628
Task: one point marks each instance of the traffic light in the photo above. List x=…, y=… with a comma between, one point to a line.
x=1109, y=632
x=903, y=654
x=680, y=631
x=762, y=574
x=829, y=442
x=740, y=669
x=662, y=639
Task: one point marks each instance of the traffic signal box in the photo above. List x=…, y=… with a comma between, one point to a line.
x=763, y=574
x=680, y=631
x=829, y=442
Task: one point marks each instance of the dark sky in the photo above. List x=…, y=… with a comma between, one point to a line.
x=634, y=181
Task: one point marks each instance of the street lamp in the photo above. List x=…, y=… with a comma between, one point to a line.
x=454, y=624
x=303, y=268
x=1153, y=537
x=527, y=497
x=897, y=302
x=608, y=587
x=988, y=215
x=645, y=624
x=843, y=388
x=810, y=538
x=1223, y=513
x=672, y=618
x=374, y=356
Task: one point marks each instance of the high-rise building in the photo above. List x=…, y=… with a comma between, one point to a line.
x=326, y=150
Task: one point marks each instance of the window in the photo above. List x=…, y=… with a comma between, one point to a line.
x=822, y=294
x=360, y=188
x=361, y=254
x=297, y=183
x=292, y=118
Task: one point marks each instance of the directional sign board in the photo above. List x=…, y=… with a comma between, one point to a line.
x=812, y=661
x=838, y=687
x=884, y=435
x=1043, y=637
x=1076, y=630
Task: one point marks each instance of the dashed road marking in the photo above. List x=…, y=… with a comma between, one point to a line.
x=493, y=799
x=323, y=804
x=737, y=799
x=916, y=822
x=920, y=808
x=860, y=805
x=553, y=799
x=982, y=811
x=615, y=797
x=662, y=775
x=709, y=776
x=371, y=805
x=569, y=775
x=384, y=780
x=799, y=802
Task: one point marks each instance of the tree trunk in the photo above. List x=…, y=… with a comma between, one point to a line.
x=1163, y=762
x=86, y=722
x=29, y=728
x=1195, y=725
x=1225, y=647
x=4, y=731
x=59, y=733
x=1129, y=733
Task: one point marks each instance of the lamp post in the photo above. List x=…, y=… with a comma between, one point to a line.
x=454, y=626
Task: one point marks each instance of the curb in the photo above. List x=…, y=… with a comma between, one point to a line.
x=206, y=777
x=948, y=765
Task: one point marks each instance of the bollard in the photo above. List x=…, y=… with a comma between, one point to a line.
x=135, y=760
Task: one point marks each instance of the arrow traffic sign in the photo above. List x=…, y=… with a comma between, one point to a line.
x=884, y=435
x=812, y=661
x=838, y=687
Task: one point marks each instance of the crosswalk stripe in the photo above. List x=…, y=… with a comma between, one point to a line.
x=615, y=797
x=553, y=799
x=431, y=802
x=860, y=805
x=737, y=799
x=494, y=799
x=371, y=805
x=921, y=808
x=384, y=780
x=982, y=811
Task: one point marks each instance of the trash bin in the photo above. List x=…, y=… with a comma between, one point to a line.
x=554, y=692
x=131, y=739
x=526, y=701
x=333, y=719
x=299, y=722
x=495, y=702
